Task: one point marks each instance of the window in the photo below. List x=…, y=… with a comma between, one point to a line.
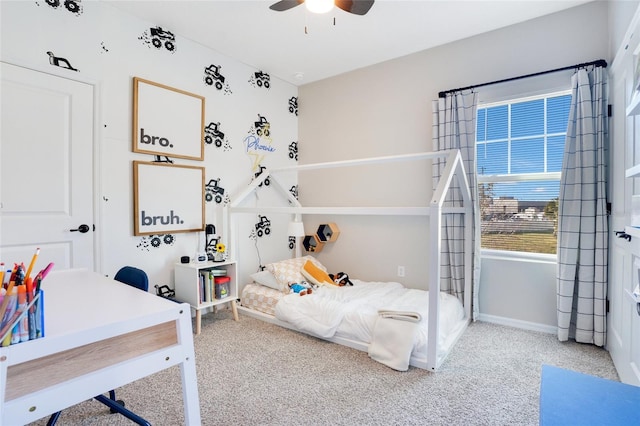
x=519, y=150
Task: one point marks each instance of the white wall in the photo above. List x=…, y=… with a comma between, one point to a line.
x=109, y=48
x=620, y=14
x=386, y=109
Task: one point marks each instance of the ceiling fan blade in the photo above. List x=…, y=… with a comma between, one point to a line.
x=357, y=7
x=283, y=5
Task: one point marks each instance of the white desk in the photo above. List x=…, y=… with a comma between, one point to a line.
x=99, y=335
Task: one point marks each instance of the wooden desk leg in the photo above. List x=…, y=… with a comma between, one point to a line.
x=198, y=321
x=234, y=309
x=190, y=399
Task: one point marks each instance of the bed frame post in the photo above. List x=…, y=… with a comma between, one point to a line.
x=435, y=231
x=467, y=204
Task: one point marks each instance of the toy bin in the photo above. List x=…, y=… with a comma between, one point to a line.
x=222, y=287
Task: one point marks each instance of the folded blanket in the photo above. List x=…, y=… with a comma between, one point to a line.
x=394, y=336
x=400, y=315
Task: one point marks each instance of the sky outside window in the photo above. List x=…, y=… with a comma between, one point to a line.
x=520, y=138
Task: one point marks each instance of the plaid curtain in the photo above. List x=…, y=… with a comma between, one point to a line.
x=582, y=214
x=454, y=127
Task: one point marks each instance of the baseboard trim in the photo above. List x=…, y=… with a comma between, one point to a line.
x=525, y=325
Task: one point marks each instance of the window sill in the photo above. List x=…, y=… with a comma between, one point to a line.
x=518, y=256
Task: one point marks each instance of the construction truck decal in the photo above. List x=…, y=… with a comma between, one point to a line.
x=213, y=191
x=158, y=37
x=263, y=226
x=293, y=105
x=213, y=77
x=260, y=79
x=293, y=150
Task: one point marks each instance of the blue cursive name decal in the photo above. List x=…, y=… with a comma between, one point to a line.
x=253, y=144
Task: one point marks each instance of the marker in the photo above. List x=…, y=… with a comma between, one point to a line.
x=23, y=324
x=37, y=283
x=1, y=274
x=46, y=270
x=31, y=318
x=39, y=314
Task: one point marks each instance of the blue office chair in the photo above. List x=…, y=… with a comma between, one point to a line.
x=136, y=278
x=133, y=276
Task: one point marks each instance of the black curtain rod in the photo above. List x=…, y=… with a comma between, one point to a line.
x=597, y=63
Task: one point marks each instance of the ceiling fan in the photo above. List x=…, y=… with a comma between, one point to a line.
x=357, y=7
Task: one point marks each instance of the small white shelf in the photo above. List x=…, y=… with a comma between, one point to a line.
x=187, y=286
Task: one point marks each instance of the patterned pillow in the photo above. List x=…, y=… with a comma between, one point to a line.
x=288, y=271
x=266, y=279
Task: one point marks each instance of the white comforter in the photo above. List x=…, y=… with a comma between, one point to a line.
x=351, y=312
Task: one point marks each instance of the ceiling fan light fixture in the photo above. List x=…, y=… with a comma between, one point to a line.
x=319, y=6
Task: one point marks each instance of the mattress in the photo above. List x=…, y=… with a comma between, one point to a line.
x=351, y=312
x=260, y=298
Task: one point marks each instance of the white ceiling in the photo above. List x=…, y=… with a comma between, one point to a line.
x=276, y=43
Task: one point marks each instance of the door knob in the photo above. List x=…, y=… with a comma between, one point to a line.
x=622, y=234
x=82, y=229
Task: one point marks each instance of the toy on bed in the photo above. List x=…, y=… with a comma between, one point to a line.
x=317, y=276
x=302, y=288
x=341, y=279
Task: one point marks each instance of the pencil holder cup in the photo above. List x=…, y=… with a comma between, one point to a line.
x=25, y=322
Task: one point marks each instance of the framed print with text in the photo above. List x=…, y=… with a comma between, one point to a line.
x=168, y=198
x=167, y=121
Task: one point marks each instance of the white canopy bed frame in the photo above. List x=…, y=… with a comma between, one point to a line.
x=454, y=169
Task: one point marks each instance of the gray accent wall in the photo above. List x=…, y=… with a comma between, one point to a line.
x=386, y=109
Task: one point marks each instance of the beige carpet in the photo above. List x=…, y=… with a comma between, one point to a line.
x=253, y=373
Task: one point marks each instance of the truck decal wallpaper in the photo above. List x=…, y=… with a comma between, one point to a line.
x=262, y=226
x=244, y=134
x=213, y=77
x=60, y=62
x=214, y=136
x=293, y=151
x=155, y=241
x=159, y=38
x=260, y=79
x=293, y=105
x=73, y=6
x=214, y=192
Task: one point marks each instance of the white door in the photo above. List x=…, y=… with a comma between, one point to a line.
x=620, y=259
x=46, y=170
x=623, y=325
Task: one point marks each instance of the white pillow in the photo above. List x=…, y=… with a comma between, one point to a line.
x=288, y=271
x=266, y=279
